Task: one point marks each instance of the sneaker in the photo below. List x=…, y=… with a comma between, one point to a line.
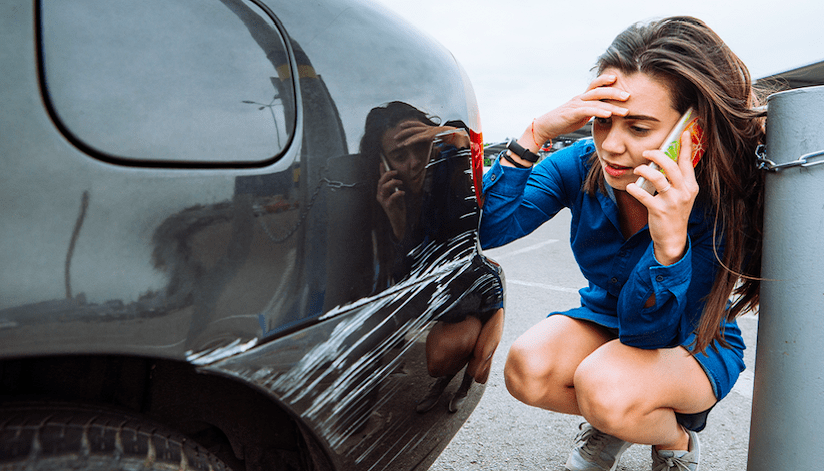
x=433, y=395
x=460, y=395
x=596, y=451
x=679, y=460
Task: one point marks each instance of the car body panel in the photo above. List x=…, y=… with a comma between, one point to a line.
x=261, y=271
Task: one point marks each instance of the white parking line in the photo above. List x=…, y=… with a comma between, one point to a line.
x=524, y=250
x=532, y=284
x=744, y=384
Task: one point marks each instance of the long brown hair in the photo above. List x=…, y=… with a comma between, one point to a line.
x=703, y=72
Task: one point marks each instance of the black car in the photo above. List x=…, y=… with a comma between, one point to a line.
x=236, y=234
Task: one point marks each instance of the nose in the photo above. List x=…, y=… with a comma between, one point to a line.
x=417, y=157
x=613, y=141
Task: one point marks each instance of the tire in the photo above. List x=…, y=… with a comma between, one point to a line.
x=55, y=437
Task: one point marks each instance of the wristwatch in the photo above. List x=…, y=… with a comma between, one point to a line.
x=518, y=150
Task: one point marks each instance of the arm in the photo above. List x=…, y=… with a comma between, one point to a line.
x=572, y=115
x=518, y=200
x=678, y=289
x=658, y=307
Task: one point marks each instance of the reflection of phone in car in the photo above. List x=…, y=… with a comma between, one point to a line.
x=387, y=167
x=385, y=162
x=672, y=145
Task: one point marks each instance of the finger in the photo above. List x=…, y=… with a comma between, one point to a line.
x=677, y=172
x=415, y=136
x=412, y=123
x=395, y=196
x=600, y=109
x=413, y=126
x=640, y=194
x=391, y=186
x=386, y=175
x=685, y=156
x=602, y=80
x=606, y=93
x=658, y=179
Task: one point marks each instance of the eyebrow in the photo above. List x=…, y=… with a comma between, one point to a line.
x=641, y=117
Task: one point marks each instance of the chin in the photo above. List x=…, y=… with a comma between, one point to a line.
x=616, y=183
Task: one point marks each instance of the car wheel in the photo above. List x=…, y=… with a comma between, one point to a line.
x=69, y=436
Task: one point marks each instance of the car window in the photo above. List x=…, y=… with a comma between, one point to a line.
x=168, y=81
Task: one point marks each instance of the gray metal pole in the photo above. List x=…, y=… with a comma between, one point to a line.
x=788, y=396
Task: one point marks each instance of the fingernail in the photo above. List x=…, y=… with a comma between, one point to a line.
x=624, y=95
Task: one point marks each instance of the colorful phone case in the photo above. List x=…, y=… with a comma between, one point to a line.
x=672, y=145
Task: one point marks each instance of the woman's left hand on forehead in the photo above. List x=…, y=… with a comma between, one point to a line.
x=415, y=132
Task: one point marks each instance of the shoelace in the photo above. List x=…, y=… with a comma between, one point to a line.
x=677, y=463
x=593, y=440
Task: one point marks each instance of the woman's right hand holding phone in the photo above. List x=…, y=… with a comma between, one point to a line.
x=391, y=199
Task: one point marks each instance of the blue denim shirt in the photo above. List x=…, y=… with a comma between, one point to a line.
x=622, y=273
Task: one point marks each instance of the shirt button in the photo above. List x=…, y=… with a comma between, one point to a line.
x=659, y=278
x=492, y=177
x=613, y=280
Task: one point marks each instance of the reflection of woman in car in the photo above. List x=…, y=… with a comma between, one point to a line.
x=654, y=345
x=417, y=212
x=399, y=142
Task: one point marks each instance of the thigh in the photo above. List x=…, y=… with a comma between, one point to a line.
x=555, y=347
x=449, y=345
x=645, y=380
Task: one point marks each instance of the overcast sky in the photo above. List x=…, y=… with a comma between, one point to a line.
x=526, y=57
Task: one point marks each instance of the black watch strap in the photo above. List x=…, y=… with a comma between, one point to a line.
x=521, y=152
x=513, y=161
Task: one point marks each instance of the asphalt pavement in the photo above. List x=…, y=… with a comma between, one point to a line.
x=504, y=434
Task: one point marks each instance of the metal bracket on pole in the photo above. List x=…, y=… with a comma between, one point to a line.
x=766, y=164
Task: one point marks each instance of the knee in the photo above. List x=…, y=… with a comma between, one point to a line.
x=447, y=351
x=602, y=400
x=527, y=376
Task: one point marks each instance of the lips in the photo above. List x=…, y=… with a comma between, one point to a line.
x=616, y=170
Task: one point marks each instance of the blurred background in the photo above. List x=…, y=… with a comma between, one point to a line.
x=526, y=57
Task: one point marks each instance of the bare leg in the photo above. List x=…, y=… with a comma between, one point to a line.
x=450, y=346
x=633, y=394
x=488, y=340
x=541, y=365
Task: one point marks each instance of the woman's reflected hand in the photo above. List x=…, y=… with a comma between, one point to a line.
x=415, y=133
x=391, y=199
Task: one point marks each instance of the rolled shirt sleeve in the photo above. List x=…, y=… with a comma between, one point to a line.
x=660, y=325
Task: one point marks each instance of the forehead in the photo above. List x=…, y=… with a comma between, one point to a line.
x=647, y=93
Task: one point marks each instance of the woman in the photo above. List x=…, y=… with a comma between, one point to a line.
x=417, y=207
x=654, y=344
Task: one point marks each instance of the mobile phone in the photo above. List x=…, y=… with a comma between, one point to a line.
x=385, y=162
x=387, y=167
x=672, y=145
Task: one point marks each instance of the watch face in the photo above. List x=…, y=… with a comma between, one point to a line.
x=516, y=148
